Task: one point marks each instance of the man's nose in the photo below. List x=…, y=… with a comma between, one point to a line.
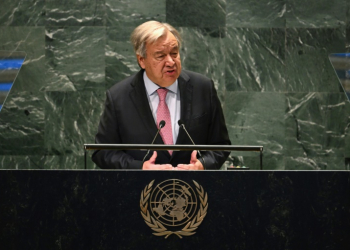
x=169, y=60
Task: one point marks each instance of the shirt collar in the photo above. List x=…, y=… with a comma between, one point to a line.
x=151, y=87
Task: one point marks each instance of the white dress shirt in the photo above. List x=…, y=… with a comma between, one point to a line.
x=172, y=100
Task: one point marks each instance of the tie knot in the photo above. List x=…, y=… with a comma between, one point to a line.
x=162, y=93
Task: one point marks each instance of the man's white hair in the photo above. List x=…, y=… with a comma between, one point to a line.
x=150, y=32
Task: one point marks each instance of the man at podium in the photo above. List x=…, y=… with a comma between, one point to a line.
x=161, y=97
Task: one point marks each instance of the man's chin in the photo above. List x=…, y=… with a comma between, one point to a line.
x=168, y=80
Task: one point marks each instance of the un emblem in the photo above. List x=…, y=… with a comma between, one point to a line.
x=173, y=207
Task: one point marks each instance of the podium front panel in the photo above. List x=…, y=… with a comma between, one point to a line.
x=243, y=209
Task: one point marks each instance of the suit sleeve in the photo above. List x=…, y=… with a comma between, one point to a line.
x=218, y=134
x=108, y=134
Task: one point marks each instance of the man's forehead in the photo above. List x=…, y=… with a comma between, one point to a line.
x=167, y=39
x=161, y=48
x=167, y=42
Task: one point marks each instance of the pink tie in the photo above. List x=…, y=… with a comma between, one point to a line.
x=164, y=114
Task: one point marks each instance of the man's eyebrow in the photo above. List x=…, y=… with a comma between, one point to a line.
x=159, y=52
x=163, y=50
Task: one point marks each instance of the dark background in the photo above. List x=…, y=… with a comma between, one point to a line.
x=246, y=210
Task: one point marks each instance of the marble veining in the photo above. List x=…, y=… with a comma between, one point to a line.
x=268, y=60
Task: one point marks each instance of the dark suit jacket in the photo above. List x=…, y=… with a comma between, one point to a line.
x=128, y=119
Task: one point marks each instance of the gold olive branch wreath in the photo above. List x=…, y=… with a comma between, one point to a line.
x=159, y=229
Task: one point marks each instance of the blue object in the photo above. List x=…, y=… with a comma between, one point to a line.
x=11, y=63
x=341, y=54
x=5, y=86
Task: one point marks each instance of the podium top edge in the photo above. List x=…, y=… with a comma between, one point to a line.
x=173, y=147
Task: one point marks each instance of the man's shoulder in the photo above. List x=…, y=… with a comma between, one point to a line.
x=196, y=78
x=194, y=75
x=125, y=84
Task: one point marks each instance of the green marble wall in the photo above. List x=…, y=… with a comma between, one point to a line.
x=268, y=60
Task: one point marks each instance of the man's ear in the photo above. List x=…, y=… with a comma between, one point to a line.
x=141, y=61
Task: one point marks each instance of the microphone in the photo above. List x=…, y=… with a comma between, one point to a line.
x=182, y=125
x=161, y=125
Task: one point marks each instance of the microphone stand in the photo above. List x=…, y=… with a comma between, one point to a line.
x=161, y=125
x=183, y=127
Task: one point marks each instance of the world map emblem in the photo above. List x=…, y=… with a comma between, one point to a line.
x=173, y=207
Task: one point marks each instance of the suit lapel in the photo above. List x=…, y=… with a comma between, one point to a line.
x=186, y=96
x=139, y=97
